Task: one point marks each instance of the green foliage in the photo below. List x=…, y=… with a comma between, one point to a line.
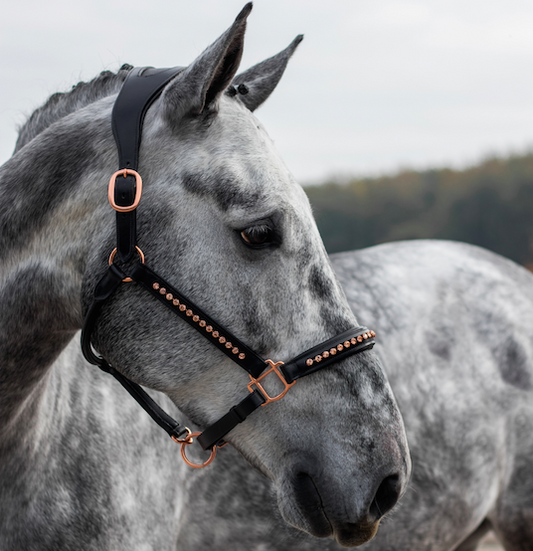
x=490, y=205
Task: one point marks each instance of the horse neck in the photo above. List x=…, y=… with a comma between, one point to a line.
x=47, y=212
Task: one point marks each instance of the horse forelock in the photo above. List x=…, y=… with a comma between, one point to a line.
x=61, y=104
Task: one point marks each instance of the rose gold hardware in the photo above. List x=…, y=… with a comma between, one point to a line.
x=340, y=347
x=196, y=319
x=169, y=296
x=183, y=307
x=228, y=345
x=202, y=323
x=138, y=189
x=162, y=291
x=188, y=461
x=189, y=313
x=222, y=340
x=156, y=286
x=242, y=356
x=175, y=302
x=141, y=256
x=216, y=334
x=255, y=382
x=184, y=440
x=209, y=329
x=235, y=350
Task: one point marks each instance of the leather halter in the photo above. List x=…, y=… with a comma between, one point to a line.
x=141, y=88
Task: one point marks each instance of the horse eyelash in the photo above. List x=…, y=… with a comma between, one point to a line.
x=255, y=231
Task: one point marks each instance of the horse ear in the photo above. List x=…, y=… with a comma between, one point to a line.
x=257, y=83
x=201, y=83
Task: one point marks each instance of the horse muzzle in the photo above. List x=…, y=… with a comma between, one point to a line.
x=350, y=513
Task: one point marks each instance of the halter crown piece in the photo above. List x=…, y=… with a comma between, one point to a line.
x=140, y=89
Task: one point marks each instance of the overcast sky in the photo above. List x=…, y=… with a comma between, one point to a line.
x=375, y=85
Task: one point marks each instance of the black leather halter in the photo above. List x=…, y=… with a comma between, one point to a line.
x=140, y=89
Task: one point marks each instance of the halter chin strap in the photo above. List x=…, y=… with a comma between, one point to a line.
x=139, y=91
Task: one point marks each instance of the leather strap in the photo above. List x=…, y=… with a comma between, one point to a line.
x=141, y=88
x=107, y=285
x=161, y=417
x=213, y=435
x=126, y=221
x=216, y=333
x=352, y=341
x=103, y=291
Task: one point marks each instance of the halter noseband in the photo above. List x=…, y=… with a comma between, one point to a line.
x=140, y=89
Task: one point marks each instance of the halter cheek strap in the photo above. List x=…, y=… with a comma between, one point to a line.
x=139, y=91
x=141, y=88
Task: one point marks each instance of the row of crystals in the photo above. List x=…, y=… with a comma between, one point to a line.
x=202, y=323
x=340, y=347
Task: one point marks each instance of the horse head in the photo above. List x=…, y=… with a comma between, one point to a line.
x=223, y=219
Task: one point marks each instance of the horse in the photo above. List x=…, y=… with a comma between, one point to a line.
x=82, y=466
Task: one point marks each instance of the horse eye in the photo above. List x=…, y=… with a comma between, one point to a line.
x=259, y=236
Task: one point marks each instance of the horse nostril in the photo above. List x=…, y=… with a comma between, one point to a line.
x=310, y=504
x=386, y=496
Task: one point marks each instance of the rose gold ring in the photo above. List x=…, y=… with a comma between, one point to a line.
x=188, y=461
x=114, y=252
x=187, y=439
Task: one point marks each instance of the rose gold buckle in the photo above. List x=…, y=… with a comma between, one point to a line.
x=138, y=189
x=256, y=383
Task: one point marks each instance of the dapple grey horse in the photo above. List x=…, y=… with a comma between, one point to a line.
x=82, y=466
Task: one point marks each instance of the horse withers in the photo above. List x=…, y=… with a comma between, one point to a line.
x=81, y=466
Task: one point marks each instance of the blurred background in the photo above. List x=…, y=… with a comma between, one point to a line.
x=403, y=119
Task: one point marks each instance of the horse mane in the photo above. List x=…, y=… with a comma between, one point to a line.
x=61, y=104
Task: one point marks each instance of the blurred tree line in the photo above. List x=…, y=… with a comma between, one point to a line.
x=490, y=205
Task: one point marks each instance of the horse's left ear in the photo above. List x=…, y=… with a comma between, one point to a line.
x=258, y=82
x=200, y=85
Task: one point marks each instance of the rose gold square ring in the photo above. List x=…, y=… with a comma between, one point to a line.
x=274, y=368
